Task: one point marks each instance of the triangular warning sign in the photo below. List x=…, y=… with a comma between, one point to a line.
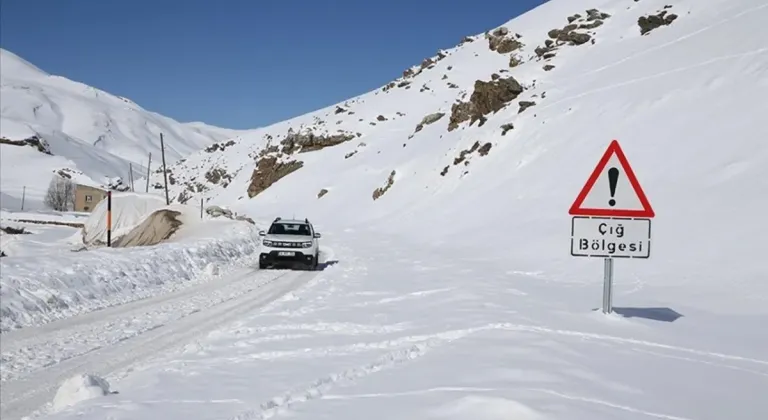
x=612, y=190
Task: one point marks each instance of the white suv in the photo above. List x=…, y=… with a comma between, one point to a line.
x=289, y=243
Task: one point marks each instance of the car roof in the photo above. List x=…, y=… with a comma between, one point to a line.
x=292, y=221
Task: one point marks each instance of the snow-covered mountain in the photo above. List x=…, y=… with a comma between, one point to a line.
x=88, y=133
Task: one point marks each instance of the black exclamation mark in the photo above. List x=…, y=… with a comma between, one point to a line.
x=613, y=178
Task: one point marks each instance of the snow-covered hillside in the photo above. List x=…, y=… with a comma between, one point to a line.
x=87, y=132
x=447, y=289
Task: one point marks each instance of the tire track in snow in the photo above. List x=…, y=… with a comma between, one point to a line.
x=608, y=404
x=22, y=397
x=425, y=343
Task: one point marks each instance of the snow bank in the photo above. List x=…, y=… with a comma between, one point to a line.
x=80, y=388
x=41, y=288
x=128, y=210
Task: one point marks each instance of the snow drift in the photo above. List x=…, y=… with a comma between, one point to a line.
x=37, y=289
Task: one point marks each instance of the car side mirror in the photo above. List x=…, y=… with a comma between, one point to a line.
x=317, y=235
x=262, y=233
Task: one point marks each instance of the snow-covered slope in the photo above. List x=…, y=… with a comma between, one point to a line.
x=93, y=133
x=450, y=292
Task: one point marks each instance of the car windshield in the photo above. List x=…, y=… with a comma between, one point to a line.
x=300, y=229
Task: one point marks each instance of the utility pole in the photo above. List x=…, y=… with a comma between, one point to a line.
x=148, y=165
x=165, y=173
x=130, y=175
x=23, y=196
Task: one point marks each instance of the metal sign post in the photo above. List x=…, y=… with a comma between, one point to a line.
x=611, y=217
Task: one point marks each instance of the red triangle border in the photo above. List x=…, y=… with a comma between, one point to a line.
x=577, y=210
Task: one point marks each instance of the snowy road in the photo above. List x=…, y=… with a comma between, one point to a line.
x=114, y=340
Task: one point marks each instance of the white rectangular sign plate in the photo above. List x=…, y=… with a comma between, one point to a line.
x=610, y=237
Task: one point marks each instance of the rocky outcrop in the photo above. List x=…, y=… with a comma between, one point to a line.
x=429, y=119
x=40, y=144
x=651, y=22
x=525, y=105
x=268, y=171
x=322, y=193
x=307, y=141
x=569, y=34
x=506, y=127
x=487, y=98
x=378, y=192
x=464, y=155
x=502, y=41
x=216, y=175
x=219, y=146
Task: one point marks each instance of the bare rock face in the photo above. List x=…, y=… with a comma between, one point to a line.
x=307, y=141
x=216, y=175
x=487, y=98
x=322, y=193
x=502, y=42
x=219, y=146
x=651, y=22
x=268, y=171
x=525, y=105
x=506, y=127
x=40, y=144
x=378, y=192
x=429, y=119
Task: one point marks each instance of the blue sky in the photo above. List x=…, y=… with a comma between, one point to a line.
x=240, y=63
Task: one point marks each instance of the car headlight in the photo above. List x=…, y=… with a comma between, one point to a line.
x=266, y=242
x=306, y=244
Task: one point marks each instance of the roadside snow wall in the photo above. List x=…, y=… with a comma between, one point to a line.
x=35, y=290
x=128, y=210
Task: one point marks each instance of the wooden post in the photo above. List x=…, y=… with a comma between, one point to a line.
x=148, y=165
x=23, y=196
x=201, y=207
x=165, y=173
x=109, y=219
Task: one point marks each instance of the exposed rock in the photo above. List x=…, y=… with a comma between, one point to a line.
x=268, y=171
x=651, y=22
x=453, y=86
x=465, y=40
x=574, y=17
x=499, y=41
x=495, y=76
x=594, y=14
x=488, y=97
x=591, y=25
x=577, y=38
x=548, y=67
x=219, y=146
x=339, y=110
x=307, y=141
x=322, y=193
x=378, y=192
x=525, y=105
x=408, y=73
x=506, y=127
x=429, y=119
x=404, y=83
x=444, y=171
x=214, y=176
x=426, y=63
x=40, y=144
x=14, y=231
x=514, y=61
x=381, y=118
x=350, y=154
x=463, y=154
x=484, y=149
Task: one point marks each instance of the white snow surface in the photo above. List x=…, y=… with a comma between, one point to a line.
x=455, y=296
x=92, y=132
x=80, y=388
x=38, y=288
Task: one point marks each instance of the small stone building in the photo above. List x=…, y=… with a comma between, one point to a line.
x=87, y=197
